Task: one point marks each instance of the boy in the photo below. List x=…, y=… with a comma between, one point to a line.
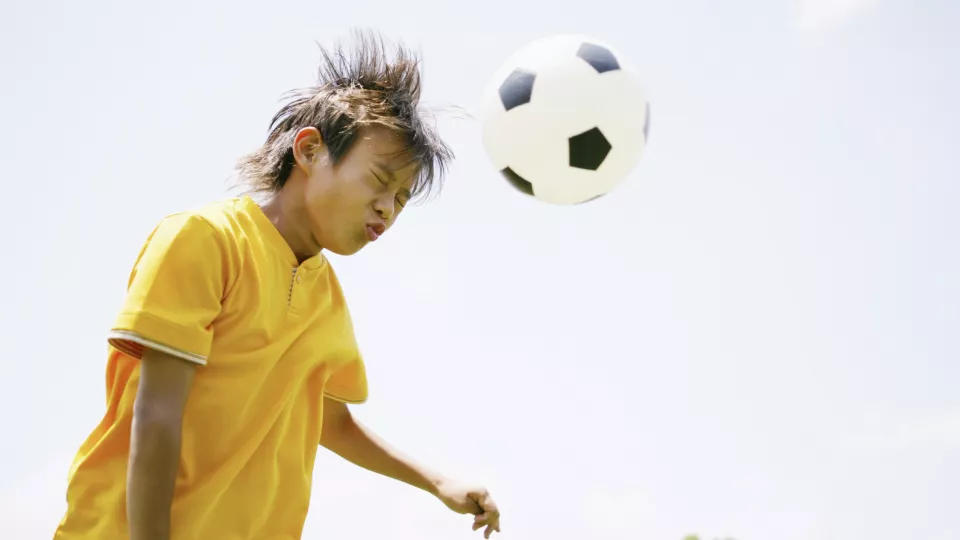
x=233, y=357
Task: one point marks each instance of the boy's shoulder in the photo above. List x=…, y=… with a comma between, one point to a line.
x=223, y=213
x=228, y=218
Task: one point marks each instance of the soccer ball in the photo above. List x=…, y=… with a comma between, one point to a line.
x=565, y=119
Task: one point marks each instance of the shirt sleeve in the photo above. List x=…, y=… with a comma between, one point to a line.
x=349, y=383
x=174, y=293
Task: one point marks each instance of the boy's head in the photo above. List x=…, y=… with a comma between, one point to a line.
x=344, y=157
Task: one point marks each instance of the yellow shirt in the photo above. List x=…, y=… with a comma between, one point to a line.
x=220, y=287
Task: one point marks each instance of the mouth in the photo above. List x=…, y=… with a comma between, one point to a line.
x=374, y=230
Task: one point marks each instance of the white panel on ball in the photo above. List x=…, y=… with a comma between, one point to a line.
x=555, y=89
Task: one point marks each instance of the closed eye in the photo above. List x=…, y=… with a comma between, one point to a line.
x=402, y=197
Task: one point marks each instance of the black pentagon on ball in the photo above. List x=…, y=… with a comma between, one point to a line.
x=517, y=181
x=589, y=149
x=517, y=88
x=600, y=58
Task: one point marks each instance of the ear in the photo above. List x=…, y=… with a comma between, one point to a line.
x=307, y=148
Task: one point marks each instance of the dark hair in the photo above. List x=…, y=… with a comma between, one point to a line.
x=353, y=91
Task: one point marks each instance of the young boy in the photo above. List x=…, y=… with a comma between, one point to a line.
x=233, y=356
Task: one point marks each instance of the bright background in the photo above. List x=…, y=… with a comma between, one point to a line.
x=757, y=336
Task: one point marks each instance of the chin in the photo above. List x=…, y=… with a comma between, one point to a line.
x=348, y=249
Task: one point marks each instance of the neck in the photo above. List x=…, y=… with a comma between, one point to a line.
x=283, y=214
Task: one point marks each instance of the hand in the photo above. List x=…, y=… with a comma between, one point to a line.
x=471, y=500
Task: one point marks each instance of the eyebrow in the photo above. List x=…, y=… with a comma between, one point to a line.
x=386, y=171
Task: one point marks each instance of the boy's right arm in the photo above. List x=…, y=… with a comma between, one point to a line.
x=166, y=322
x=165, y=382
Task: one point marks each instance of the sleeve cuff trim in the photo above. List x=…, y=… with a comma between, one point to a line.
x=345, y=400
x=133, y=344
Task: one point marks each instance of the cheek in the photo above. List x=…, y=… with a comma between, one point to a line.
x=313, y=197
x=320, y=202
x=334, y=204
x=355, y=195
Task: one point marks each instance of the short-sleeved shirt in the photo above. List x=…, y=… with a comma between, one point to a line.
x=220, y=287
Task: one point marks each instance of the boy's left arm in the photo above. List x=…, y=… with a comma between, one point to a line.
x=345, y=436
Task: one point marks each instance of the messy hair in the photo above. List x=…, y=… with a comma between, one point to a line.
x=353, y=91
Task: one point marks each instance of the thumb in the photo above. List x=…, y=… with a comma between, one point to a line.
x=475, y=502
x=484, y=501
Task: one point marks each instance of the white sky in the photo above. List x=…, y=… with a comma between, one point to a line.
x=756, y=336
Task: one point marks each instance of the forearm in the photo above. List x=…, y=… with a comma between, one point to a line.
x=151, y=476
x=357, y=444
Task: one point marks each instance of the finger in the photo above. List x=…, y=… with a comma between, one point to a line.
x=486, y=501
x=491, y=516
x=485, y=504
x=476, y=506
x=488, y=504
x=485, y=518
x=489, y=525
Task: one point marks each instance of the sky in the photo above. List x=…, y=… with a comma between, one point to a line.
x=754, y=336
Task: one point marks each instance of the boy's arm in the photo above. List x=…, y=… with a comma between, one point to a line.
x=174, y=295
x=164, y=384
x=354, y=442
x=345, y=436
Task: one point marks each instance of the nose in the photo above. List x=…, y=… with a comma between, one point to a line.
x=383, y=205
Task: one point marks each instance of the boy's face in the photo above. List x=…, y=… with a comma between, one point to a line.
x=350, y=204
